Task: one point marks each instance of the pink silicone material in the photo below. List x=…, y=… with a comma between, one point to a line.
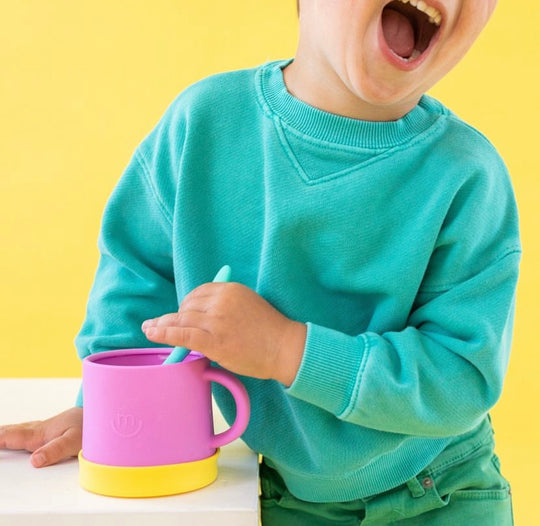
x=138, y=412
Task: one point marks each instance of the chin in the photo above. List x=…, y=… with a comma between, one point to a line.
x=387, y=96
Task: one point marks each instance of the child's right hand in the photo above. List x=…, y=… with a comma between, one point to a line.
x=49, y=440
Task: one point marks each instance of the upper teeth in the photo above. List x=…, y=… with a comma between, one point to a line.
x=435, y=16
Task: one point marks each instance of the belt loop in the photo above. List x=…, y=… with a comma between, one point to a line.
x=416, y=488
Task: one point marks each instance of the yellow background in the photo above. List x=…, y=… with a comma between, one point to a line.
x=82, y=82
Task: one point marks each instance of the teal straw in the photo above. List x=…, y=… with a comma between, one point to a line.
x=179, y=353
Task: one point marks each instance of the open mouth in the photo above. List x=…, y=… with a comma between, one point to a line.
x=409, y=26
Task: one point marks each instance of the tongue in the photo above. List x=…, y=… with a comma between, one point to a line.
x=398, y=32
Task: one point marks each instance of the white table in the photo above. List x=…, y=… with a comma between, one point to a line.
x=52, y=496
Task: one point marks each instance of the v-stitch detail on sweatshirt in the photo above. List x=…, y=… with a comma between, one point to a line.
x=355, y=168
x=312, y=179
x=300, y=161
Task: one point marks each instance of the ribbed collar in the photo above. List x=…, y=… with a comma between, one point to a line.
x=334, y=128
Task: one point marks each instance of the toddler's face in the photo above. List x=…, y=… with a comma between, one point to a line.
x=388, y=53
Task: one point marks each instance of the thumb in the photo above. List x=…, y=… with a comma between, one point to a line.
x=66, y=445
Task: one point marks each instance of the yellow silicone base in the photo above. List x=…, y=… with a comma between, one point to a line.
x=147, y=481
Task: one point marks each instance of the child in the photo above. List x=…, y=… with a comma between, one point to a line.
x=374, y=242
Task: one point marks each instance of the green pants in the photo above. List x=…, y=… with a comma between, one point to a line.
x=463, y=486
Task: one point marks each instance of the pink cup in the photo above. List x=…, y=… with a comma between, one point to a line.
x=138, y=412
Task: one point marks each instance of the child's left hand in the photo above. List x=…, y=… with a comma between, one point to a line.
x=235, y=327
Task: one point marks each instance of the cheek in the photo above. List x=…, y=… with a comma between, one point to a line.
x=471, y=21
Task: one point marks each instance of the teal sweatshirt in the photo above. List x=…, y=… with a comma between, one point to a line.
x=395, y=242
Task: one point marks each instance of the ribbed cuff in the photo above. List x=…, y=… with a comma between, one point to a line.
x=331, y=369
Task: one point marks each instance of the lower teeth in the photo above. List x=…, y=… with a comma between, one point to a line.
x=414, y=56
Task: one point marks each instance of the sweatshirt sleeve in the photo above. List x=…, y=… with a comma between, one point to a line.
x=441, y=373
x=437, y=377
x=134, y=280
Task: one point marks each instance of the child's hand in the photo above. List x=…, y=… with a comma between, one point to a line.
x=235, y=327
x=50, y=440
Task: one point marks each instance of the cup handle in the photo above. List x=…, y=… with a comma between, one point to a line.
x=237, y=389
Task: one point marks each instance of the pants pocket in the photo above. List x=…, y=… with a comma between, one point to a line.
x=477, y=477
x=483, y=498
x=468, y=490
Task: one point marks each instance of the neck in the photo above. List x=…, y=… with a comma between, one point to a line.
x=328, y=93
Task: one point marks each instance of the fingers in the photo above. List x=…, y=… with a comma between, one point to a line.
x=207, y=290
x=50, y=440
x=185, y=318
x=65, y=446
x=27, y=436
x=211, y=296
x=192, y=338
x=195, y=308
